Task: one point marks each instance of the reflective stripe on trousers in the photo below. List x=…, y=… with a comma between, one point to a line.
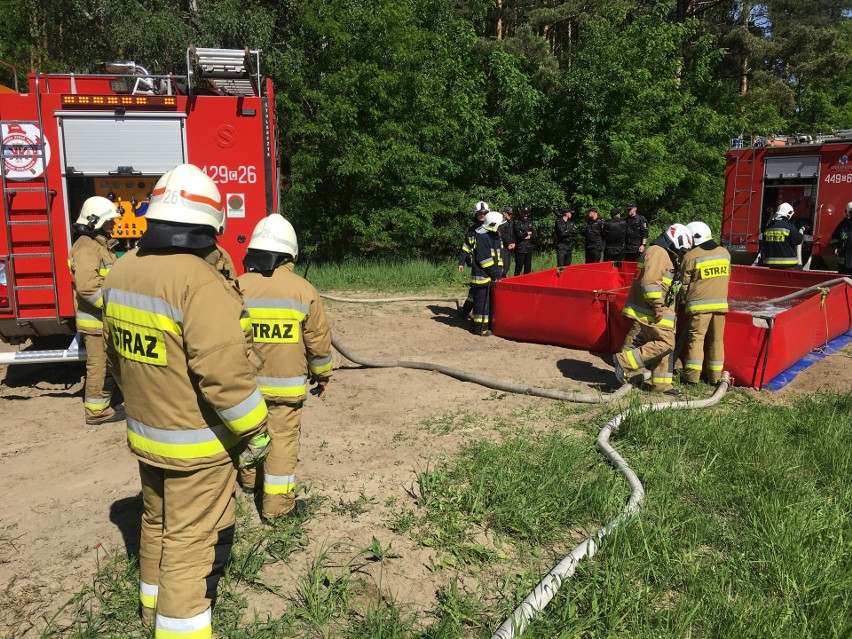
x=198, y=627
x=278, y=484
x=147, y=594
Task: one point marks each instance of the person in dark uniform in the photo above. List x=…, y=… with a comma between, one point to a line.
x=565, y=231
x=479, y=213
x=507, y=236
x=614, y=232
x=593, y=236
x=636, y=234
x=841, y=241
x=525, y=235
x=781, y=239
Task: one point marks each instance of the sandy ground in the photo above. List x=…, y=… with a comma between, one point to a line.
x=71, y=493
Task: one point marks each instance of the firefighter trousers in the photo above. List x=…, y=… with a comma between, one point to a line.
x=284, y=426
x=481, y=309
x=705, y=335
x=99, y=385
x=654, y=353
x=187, y=534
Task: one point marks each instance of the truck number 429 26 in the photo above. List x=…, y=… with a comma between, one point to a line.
x=222, y=174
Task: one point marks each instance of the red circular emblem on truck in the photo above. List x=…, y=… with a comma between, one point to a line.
x=23, y=154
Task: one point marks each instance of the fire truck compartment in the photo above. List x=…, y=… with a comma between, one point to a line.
x=581, y=309
x=138, y=145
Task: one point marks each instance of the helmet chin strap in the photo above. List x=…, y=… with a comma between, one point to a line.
x=264, y=261
x=162, y=234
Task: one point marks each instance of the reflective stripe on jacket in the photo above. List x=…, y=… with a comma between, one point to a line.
x=90, y=261
x=706, y=275
x=487, y=263
x=651, y=284
x=173, y=336
x=290, y=329
x=778, y=246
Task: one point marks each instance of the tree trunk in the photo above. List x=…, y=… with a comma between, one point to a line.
x=744, y=64
x=499, y=19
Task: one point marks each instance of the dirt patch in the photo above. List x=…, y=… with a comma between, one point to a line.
x=71, y=491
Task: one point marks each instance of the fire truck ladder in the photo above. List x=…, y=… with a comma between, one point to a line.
x=30, y=241
x=234, y=71
x=741, y=206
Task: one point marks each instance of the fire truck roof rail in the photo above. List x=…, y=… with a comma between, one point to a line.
x=792, y=139
x=232, y=71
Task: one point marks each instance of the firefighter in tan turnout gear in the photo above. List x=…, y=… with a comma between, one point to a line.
x=651, y=304
x=92, y=256
x=706, y=274
x=291, y=331
x=172, y=324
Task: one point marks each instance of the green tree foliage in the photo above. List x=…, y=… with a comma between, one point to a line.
x=398, y=115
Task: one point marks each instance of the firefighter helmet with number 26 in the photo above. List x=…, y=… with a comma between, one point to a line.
x=275, y=235
x=186, y=195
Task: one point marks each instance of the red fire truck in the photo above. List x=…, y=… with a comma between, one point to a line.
x=813, y=173
x=66, y=137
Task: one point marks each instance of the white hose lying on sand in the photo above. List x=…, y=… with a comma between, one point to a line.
x=547, y=588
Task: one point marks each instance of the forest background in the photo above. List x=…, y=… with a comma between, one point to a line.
x=398, y=115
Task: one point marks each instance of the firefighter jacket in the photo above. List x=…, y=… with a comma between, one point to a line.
x=521, y=228
x=779, y=243
x=593, y=233
x=706, y=274
x=635, y=232
x=841, y=239
x=469, y=243
x=290, y=329
x=649, y=290
x=487, y=263
x=614, y=232
x=174, y=332
x=565, y=231
x=90, y=261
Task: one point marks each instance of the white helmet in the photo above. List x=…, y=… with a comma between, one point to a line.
x=784, y=212
x=849, y=209
x=481, y=207
x=679, y=237
x=276, y=235
x=96, y=211
x=188, y=196
x=700, y=232
x=493, y=219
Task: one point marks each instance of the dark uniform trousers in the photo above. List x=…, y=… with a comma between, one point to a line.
x=564, y=254
x=481, y=308
x=593, y=254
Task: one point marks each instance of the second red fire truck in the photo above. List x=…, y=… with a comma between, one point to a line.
x=813, y=173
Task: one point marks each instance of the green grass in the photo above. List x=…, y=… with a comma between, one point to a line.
x=744, y=533
x=410, y=276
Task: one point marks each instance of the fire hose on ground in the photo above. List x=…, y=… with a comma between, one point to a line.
x=547, y=588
